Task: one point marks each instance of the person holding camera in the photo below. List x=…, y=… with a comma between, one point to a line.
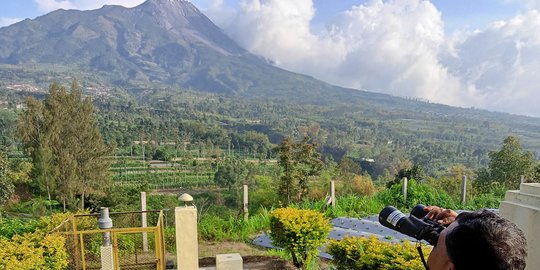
x=476, y=240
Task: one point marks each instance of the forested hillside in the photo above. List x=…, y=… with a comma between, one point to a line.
x=431, y=135
x=163, y=72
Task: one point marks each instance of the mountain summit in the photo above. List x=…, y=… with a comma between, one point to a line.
x=160, y=42
x=183, y=20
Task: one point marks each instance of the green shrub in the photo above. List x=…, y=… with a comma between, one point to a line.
x=369, y=253
x=299, y=232
x=416, y=194
x=486, y=200
x=126, y=243
x=263, y=193
x=170, y=239
x=356, y=206
x=95, y=241
x=13, y=226
x=214, y=228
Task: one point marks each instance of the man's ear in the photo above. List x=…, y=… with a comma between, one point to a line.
x=451, y=266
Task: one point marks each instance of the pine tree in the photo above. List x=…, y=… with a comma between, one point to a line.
x=506, y=166
x=286, y=161
x=66, y=147
x=299, y=162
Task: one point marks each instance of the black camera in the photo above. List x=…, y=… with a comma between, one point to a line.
x=416, y=225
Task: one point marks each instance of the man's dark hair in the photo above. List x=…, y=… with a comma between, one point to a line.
x=484, y=240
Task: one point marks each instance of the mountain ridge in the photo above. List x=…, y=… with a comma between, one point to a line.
x=159, y=43
x=147, y=44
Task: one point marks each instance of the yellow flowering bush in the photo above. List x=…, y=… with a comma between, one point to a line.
x=299, y=232
x=369, y=253
x=36, y=247
x=33, y=251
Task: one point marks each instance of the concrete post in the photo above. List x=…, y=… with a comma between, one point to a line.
x=522, y=179
x=463, y=189
x=404, y=189
x=523, y=208
x=231, y=261
x=333, y=193
x=144, y=222
x=187, y=247
x=246, y=210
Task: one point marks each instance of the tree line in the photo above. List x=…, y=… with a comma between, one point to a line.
x=68, y=152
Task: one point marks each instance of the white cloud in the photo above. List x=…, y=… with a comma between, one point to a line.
x=50, y=5
x=389, y=46
x=397, y=47
x=8, y=21
x=503, y=64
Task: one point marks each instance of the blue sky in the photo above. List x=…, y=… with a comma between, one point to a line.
x=457, y=14
x=467, y=53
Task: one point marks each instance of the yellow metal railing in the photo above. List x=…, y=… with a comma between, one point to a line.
x=83, y=238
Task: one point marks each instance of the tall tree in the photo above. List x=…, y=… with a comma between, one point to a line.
x=44, y=171
x=299, y=162
x=506, y=166
x=63, y=140
x=229, y=173
x=286, y=161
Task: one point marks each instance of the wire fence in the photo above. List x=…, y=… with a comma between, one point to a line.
x=133, y=246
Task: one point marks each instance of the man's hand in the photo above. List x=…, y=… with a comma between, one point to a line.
x=441, y=215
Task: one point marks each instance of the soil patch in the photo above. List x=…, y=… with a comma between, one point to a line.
x=211, y=249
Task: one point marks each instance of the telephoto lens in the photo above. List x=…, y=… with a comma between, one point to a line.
x=409, y=225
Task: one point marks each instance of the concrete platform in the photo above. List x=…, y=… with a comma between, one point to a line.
x=523, y=208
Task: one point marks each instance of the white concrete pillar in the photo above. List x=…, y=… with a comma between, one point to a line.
x=523, y=208
x=333, y=193
x=246, y=201
x=404, y=190
x=187, y=249
x=463, y=189
x=144, y=222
